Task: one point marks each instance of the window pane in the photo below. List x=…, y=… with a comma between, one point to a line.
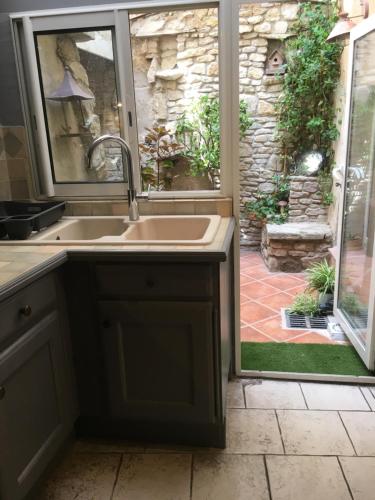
x=357, y=243
x=78, y=81
x=176, y=79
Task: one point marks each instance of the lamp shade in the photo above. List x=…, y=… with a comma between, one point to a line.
x=70, y=90
x=341, y=28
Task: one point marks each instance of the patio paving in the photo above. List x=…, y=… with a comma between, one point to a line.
x=262, y=296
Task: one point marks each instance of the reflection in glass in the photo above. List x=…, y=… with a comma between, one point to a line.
x=77, y=73
x=359, y=209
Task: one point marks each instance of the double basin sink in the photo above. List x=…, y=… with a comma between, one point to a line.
x=153, y=230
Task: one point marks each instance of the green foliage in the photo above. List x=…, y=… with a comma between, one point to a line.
x=199, y=131
x=305, y=304
x=351, y=304
x=321, y=277
x=271, y=207
x=160, y=151
x=306, y=108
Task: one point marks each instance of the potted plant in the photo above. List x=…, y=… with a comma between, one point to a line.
x=305, y=304
x=321, y=277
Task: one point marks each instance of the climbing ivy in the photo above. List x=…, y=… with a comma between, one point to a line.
x=306, y=110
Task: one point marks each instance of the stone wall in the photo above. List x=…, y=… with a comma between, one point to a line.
x=175, y=60
x=262, y=27
x=305, y=200
x=293, y=247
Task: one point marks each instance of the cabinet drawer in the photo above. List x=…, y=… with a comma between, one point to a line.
x=155, y=280
x=25, y=307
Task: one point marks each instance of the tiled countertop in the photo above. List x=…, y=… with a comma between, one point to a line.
x=20, y=263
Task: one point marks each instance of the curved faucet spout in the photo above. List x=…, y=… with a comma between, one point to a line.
x=132, y=194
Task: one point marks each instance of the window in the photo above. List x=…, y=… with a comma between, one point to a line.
x=151, y=76
x=80, y=101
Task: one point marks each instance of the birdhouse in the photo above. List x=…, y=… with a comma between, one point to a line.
x=275, y=63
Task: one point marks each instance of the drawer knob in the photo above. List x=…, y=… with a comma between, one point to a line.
x=106, y=323
x=26, y=310
x=2, y=392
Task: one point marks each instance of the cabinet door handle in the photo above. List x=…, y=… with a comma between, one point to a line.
x=26, y=310
x=2, y=392
x=106, y=323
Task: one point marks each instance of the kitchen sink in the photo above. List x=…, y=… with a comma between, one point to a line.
x=173, y=230
x=87, y=229
x=150, y=230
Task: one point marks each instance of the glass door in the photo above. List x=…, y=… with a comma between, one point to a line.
x=354, y=301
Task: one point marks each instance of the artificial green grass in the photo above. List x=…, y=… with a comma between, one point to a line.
x=302, y=358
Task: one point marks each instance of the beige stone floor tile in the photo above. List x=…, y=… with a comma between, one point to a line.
x=334, y=397
x=224, y=477
x=306, y=478
x=96, y=445
x=369, y=396
x=235, y=397
x=360, y=474
x=82, y=476
x=274, y=394
x=313, y=433
x=154, y=476
x=361, y=429
x=253, y=432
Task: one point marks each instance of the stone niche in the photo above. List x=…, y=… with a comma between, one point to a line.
x=294, y=246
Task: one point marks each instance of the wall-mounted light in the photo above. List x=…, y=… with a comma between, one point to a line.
x=344, y=24
x=70, y=91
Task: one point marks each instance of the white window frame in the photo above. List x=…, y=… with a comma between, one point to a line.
x=115, y=15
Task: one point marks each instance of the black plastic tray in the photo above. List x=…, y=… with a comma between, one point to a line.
x=18, y=219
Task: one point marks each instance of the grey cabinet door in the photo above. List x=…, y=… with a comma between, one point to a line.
x=159, y=358
x=33, y=419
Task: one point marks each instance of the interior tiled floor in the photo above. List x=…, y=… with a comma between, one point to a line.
x=263, y=294
x=286, y=441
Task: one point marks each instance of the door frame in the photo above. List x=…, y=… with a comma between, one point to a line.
x=317, y=377
x=367, y=353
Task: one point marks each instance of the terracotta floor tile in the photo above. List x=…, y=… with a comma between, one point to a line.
x=257, y=273
x=311, y=338
x=249, y=334
x=243, y=298
x=257, y=289
x=245, y=279
x=282, y=282
x=296, y=290
x=276, y=301
x=251, y=312
x=272, y=328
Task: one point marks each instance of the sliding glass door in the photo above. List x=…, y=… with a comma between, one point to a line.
x=355, y=281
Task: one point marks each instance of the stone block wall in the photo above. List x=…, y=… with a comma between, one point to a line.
x=261, y=27
x=305, y=200
x=293, y=247
x=175, y=60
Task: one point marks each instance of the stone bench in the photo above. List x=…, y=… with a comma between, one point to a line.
x=294, y=246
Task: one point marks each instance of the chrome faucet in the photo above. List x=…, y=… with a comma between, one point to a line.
x=132, y=193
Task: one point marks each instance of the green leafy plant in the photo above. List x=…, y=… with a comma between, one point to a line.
x=271, y=207
x=351, y=304
x=305, y=304
x=306, y=109
x=199, y=131
x=160, y=150
x=321, y=277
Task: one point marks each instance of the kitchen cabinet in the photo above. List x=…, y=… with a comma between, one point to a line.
x=152, y=342
x=37, y=404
